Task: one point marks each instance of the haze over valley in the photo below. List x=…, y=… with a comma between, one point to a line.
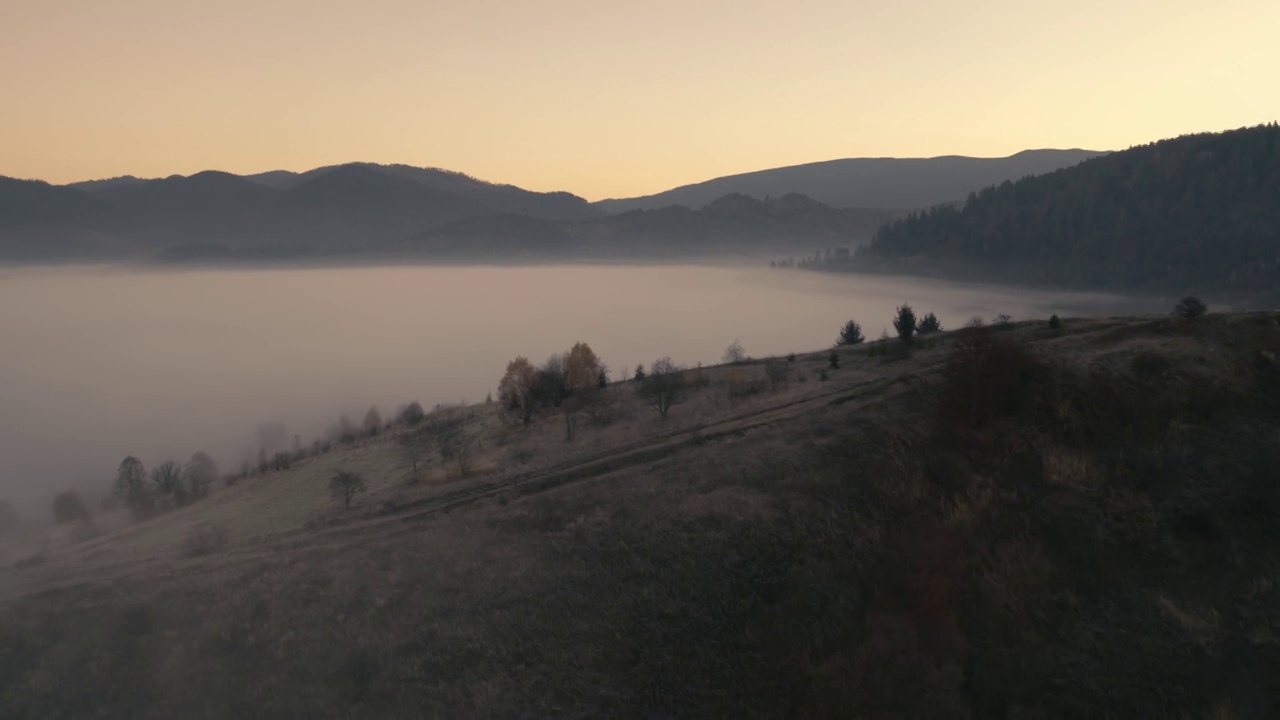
x=640, y=360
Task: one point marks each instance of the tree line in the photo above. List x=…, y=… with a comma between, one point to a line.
x=1196, y=211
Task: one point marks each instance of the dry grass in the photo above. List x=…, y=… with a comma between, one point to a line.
x=1104, y=543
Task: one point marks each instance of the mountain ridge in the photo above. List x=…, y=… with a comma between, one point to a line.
x=882, y=182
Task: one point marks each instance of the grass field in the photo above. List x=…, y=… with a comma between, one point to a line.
x=1018, y=522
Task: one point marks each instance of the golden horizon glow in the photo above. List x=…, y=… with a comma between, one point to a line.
x=611, y=101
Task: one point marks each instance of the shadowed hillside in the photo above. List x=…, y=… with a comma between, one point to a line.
x=1025, y=520
x=1199, y=213
x=892, y=183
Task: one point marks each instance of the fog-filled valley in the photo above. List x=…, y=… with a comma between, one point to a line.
x=104, y=362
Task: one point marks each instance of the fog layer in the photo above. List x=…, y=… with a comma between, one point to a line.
x=102, y=363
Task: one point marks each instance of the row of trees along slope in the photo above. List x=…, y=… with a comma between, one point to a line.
x=1195, y=212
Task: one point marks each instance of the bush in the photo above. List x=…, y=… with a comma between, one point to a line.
x=664, y=385
x=1055, y=323
x=281, y=461
x=905, y=323
x=1190, y=307
x=411, y=414
x=850, y=334
x=928, y=324
x=68, y=507
x=833, y=360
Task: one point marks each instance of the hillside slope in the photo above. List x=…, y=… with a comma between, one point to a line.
x=1017, y=522
x=1199, y=213
x=890, y=183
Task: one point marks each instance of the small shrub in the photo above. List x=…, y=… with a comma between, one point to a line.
x=411, y=414
x=1055, y=323
x=833, y=360
x=791, y=357
x=850, y=334
x=1190, y=307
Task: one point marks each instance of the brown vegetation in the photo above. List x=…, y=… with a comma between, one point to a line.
x=1017, y=521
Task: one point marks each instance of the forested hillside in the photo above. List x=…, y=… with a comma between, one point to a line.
x=1199, y=213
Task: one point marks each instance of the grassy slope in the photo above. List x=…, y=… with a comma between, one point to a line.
x=904, y=539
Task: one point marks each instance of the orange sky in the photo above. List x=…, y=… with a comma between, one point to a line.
x=611, y=99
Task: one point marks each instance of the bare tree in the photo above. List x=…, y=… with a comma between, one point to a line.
x=664, y=385
x=344, y=486
x=415, y=447
x=167, y=479
x=734, y=353
x=452, y=439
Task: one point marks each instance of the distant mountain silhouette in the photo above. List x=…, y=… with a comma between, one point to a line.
x=340, y=209
x=1194, y=214
x=895, y=183
x=364, y=208
x=734, y=224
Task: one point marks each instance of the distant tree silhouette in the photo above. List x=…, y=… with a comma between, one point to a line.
x=131, y=486
x=167, y=479
x=68, y=507
x=850, y=334
x=411, y=414
x=905, y=323
x=1190, y=308
x=928, y=324
x=372, y=421
x=1197, y=210
x=198, y=475
x=734, y=353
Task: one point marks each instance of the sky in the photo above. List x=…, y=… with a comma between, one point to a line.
x=608, y=99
